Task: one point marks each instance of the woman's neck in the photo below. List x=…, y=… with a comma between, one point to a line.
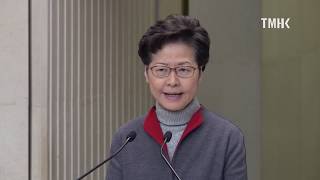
x=177, y=118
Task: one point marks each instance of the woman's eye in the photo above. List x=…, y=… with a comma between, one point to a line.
x=162, y=69
x=183, y=69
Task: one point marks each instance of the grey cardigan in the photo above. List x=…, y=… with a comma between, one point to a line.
x=211, y=148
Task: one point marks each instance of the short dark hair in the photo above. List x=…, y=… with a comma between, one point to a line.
x=175, y=28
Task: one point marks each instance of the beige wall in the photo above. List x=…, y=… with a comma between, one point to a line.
x=14, y=90
x=290, y=92
x=288, y=131
x=231, y=84
x=167, y=7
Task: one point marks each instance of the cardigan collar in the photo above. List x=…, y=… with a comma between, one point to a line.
x=152, y=125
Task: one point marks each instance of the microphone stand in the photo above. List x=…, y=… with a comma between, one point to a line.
x=167, y=139
x=129, y=139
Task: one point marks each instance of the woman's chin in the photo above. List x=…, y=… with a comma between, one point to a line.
x=172, y=106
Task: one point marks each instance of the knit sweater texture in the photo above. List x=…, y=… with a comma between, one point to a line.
x=214, y=150
x=175, y=122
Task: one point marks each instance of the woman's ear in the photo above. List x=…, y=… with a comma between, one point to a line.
x=146, y=73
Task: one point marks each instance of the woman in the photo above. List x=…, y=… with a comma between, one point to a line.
x=203, y=145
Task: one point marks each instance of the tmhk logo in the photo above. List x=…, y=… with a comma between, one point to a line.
x=275, y=23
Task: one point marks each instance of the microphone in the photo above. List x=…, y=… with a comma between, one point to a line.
x=166, y=139
x=130, y=137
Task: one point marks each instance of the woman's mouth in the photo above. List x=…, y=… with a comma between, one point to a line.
x=173, y=96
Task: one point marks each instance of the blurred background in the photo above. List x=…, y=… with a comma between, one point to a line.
x=70, y=77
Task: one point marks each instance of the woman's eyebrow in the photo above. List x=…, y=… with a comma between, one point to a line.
x=184, y=63
x=179, y=64
x=163, y=64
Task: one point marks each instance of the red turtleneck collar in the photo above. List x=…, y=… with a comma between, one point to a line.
x=152, y=125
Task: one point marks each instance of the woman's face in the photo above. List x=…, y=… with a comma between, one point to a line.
x=172, y=92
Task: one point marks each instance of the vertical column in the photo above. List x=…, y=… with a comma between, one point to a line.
x=91, y=61
x=40, y=79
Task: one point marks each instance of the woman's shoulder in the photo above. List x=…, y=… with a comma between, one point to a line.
x=214, y=121
x=134, y=124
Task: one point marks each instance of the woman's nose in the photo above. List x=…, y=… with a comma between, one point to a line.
x=173, y=79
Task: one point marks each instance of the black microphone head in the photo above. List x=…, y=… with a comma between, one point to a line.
x=167, y=136
x=131, y=136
